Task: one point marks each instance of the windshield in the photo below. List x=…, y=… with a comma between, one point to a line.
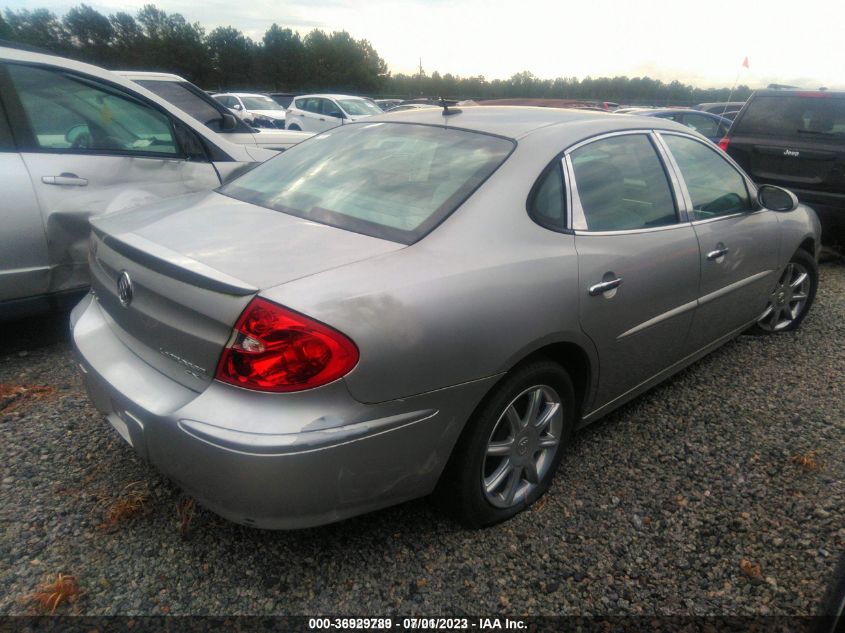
x=359, y=107
x=260, y=103
x=795, y=115
x=388, y=180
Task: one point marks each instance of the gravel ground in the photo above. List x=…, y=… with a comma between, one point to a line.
x=654, y=510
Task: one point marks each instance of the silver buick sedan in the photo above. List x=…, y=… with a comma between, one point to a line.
x=428, y=301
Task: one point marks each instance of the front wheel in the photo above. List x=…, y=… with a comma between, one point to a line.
x=792, y=297
x=509, y=452
x=295, y=127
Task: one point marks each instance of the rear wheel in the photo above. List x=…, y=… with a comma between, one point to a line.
x=509, y=452
x=792, y=297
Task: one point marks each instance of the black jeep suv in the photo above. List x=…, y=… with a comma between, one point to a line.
x=796, y=139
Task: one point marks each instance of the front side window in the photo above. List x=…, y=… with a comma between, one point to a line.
x=68, y=112
x=389, y=180
x=715, y=187
x=622, y=185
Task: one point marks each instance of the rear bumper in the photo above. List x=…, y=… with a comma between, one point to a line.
x=277, y=461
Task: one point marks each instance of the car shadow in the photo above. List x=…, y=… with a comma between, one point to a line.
x=35, y=332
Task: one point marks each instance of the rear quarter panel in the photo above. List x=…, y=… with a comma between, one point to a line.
x=471, y=299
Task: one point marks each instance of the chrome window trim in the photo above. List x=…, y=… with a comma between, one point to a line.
x=750, y=187
x=681, y=194
x=576, y=219
x=651, y=229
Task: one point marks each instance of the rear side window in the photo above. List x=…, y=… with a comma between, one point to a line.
x=716, y=188
x=622, y=185
x=546, y=206
x=68, y=112
x=388, y=180
x=794, y=115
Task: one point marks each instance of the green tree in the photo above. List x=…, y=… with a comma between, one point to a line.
x=39, y=27
x=90, y=33
x=282, y=56
x=231, y=55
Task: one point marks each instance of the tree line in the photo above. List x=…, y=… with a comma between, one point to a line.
x=226, y=59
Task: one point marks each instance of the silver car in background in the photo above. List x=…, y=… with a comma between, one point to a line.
x=78, y=141
x=432, y=300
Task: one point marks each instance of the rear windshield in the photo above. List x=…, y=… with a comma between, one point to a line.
x=393, y=181
x=793, y=115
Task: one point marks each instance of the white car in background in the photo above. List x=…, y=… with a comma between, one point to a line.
x=197, y=103
x=78, y=141
x=257, y=109
x=316, y=113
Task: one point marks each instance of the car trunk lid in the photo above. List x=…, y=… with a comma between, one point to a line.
x=194, y=263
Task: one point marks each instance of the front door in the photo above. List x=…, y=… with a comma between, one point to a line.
x=738, y=244
x=638, y=262
x=91, y=148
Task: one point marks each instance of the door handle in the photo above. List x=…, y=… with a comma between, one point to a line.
x=65, y=179
x=605, y=286
x=719, y=252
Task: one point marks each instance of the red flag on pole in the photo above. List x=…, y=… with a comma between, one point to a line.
x=745, y=62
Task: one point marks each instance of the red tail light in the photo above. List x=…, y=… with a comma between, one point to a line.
x=723, y=144
x=275, y=349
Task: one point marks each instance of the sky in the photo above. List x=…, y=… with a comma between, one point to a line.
x=700, y=42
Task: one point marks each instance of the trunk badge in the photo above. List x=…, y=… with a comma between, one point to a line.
x=124, y=289
x=789, y=152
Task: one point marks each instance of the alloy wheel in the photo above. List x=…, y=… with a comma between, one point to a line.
x=788, y=300
x=522, y=446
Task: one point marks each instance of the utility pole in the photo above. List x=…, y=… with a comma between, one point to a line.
x=420, y=78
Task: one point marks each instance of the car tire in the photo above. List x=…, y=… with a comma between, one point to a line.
x=792, y=297
x=495, y=445
x=294, y=127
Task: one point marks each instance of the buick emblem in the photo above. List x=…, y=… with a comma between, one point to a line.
x=124, y=289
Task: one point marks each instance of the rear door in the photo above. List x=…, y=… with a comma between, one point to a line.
x=793, y=139
x=91, y=147
x=738, y=243
x=638, y=262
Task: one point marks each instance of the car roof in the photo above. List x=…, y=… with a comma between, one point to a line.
x=242, y=94
x=518, y=122
x=144, y=74
x=798, y=92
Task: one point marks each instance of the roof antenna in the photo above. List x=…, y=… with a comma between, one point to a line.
x=445, y=103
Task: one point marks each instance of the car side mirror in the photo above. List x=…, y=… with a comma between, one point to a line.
x=237, y=106
x=228, y=123
x=776, y=198
x=337, y=114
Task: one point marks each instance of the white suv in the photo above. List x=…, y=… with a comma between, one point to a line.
x=315, y=113
x=78, y=141
x=256, y=109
